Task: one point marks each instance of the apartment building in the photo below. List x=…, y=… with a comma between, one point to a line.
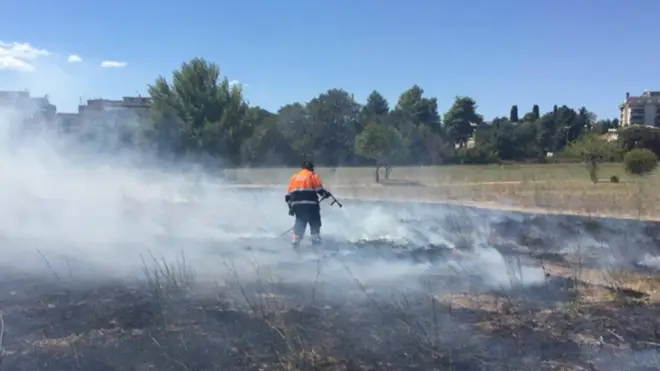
x=21, y=101
x=67, y=122
x=641, y=110
x=135, y=104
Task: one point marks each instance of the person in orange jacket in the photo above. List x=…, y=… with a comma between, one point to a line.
x=302, y=197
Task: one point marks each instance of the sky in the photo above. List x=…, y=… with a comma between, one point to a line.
x=500, y=53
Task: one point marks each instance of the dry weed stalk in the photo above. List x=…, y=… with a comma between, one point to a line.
x=298, y=355
x=167, y=280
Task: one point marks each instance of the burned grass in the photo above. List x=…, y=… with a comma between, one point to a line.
x=581, y=314
x=583, y=325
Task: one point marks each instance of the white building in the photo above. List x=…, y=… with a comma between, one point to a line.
x=641, y=110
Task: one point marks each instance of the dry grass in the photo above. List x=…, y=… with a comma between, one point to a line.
x=558, y=188
x=434, y=175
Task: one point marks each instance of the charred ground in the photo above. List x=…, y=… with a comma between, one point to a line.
x=595, y=308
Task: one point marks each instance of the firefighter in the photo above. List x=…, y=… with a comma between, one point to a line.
x=302, y=197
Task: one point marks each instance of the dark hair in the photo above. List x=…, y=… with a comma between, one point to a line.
x=309, y=165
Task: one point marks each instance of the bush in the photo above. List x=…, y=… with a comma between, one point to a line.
x=614, y=179
x=476, y=156
x=640, y=161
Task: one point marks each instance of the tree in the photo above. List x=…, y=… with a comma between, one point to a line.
x=513, y=116
x=376, y=105
x=295, y=124
x=335, y=117
x=536, y=113
x=199, y=112
x=593, y=151
x=460, y=119
x=586, y=118
x=423, y=111
x=411, y=115
x=547, y=131
x=266, y=145
x=603, y=126
x=379, y=143
x=637, y=136
x=439, y=150
x=376, y=108
x=569, y=126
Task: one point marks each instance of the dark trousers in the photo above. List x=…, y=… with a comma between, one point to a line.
x=307, y=214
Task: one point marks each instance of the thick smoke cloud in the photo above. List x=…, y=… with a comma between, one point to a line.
x=99, y=212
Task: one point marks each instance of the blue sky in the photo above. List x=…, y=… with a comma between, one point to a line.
x=498, y=52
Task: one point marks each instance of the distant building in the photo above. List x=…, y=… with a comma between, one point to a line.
x=14, y=99
x=27, y=113
x=132, y=104
x=21, y=101
x=43, y=107
x=612, y=135
x=641, y=110
x=67, y=122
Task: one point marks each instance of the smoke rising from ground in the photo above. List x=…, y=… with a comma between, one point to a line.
x=98, y=214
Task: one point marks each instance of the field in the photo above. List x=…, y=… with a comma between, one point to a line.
x=559, y=188
x=199, y=276
x=525, y=302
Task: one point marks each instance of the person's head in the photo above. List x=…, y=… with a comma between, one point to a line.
x=309, y=165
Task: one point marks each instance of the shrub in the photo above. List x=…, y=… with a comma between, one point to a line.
x=640, y=161
x=614, y=179
x=476, y=156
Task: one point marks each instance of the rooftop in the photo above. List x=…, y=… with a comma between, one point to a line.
x=124, y=102
x=643, y=99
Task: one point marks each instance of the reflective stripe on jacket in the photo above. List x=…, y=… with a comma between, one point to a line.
x=304, y=188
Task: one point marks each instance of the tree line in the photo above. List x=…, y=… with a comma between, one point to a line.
x=199, y=113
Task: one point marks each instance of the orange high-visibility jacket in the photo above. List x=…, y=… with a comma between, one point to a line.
x=304, y=188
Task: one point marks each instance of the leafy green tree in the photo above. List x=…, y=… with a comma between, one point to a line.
x=593, y=151
x=376, y=105
x=638, y=136
x=376, y=108
x=412, y=115
x=525, y=144
x=536, y=113
x=439, y=149
x=418, y=108
x=199, y=112
x=602, y=126
x=586, y=118
x=294, y=122
x=379, y=143
x=569, y=126
x=335, y=117
x=513, y=115
x=460, y=119
x=267, y=145
x=546, y=132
